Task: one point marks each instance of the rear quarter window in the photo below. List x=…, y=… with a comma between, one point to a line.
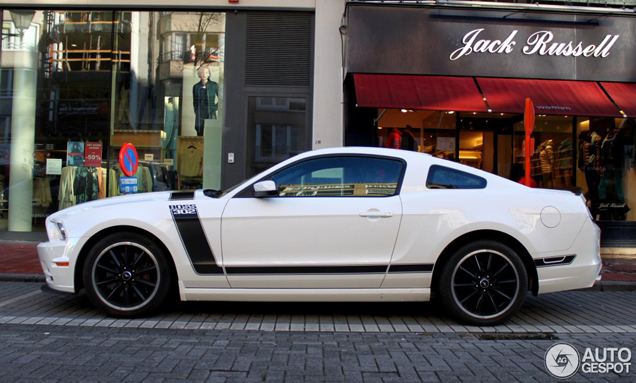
x=441, y=177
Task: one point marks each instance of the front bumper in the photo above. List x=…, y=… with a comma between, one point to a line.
x=57, y=266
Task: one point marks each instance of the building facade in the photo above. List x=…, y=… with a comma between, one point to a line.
x=209, y=93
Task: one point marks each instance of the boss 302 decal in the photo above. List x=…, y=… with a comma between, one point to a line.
x=186, y=218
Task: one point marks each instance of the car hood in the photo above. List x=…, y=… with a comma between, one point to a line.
x=109, y=202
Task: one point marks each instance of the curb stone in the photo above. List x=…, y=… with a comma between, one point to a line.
x=11, y=277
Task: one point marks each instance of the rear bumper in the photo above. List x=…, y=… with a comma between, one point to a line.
x=582, y=272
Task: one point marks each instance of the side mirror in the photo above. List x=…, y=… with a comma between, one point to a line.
x=265, y=189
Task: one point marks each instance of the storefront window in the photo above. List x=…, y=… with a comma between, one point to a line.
x=418, y=130
x=551, y=163
x=605, y=167
x=77, y=85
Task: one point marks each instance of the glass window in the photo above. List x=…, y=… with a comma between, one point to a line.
x=418, y=130
x=277, y=130
x=605, y=166
x=76, y=85
x=340, y=176
x=440, y=177
x=551, y=160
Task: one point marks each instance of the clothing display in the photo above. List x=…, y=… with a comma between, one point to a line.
x=171, y=127
x=143, y=175
x=191, y=161
x=546, y=155
x=205, y=102
x=564, y=156
x=162, y=177
x=611, y=161
x=80, y=184
x=42, y=191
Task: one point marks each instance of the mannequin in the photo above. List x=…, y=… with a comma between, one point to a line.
x=395, y=139
x=546, y=155
x=612, y=163
x=409, y=142
x=589, y=147
x=205, y=99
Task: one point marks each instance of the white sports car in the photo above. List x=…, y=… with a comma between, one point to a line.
x=345, y=224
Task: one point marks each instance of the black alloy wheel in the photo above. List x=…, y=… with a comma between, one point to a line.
x=126, y=276
x=484, y=284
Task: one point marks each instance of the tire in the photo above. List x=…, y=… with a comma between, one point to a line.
x=483, y=283
x=126, y=275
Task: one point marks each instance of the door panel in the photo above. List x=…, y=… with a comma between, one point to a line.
x=309, y=242
x=331, y=223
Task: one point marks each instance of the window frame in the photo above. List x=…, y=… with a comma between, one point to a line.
x=433, y=168
x=248, y=191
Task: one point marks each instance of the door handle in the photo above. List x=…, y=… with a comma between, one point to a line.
x=377, y=214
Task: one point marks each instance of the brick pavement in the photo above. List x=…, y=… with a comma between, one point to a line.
x=62, y=354
x=559, y=313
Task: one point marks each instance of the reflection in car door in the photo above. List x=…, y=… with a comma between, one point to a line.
x=335, y=241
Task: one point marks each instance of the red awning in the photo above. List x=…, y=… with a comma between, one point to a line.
x=564, y=98
x=418, y=92
x=623, y=94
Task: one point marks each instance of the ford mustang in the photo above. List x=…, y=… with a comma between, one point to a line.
x=343, y=224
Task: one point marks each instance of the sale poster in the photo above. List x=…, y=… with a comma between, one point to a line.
x=93, y=154
x=74, y=153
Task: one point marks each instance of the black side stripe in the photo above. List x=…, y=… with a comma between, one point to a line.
x=554, y=261
x=329, y=269
x=194, y=240
x=306, y=270
x=418, y=268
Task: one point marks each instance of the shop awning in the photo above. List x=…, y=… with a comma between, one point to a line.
x=418, y=92
x=623, y=94
x=565, y=98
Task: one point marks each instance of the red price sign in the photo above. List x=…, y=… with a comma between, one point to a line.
x=93, y=154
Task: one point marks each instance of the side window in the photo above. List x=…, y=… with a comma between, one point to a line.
x=340, y=176
x=440, y=177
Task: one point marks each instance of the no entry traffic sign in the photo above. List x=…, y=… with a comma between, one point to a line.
x=128, y=159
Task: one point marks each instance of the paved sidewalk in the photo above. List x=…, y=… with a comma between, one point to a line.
x=19, y=262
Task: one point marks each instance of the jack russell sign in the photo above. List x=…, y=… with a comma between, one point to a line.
x=540, y=43
x=424, y=40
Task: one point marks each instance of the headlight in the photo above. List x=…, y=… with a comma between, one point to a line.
x=55, y=231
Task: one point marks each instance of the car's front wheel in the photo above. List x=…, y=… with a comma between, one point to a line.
x=126, y=275
x=483, y=283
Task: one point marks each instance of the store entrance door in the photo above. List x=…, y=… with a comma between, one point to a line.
x=485, y=142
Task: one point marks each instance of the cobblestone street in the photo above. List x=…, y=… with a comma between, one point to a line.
x=58, y=338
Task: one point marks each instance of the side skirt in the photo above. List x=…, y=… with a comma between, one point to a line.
x=305, y=295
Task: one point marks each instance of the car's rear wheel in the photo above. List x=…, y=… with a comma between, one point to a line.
x=483, y=283
x=126, y=275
